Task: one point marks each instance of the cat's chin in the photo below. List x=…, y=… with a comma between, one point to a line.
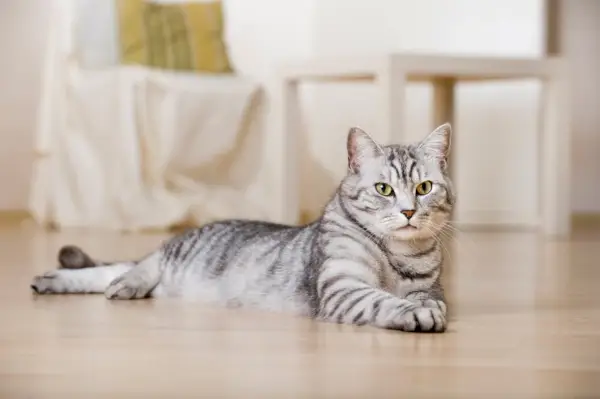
x=410, y=233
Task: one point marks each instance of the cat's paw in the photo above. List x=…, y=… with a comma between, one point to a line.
x=124, y=288
x=47, y=283
x=419, y=319
x=434, y=304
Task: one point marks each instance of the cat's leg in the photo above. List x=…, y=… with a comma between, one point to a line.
x=138, y=282
x=91, y=280
x=350, y=300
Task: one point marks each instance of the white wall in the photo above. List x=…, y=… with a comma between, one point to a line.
x=496, y=126
x=263, y=33
x=22, y=32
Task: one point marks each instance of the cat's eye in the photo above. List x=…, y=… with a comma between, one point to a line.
x=424, y=188
x=384, y=189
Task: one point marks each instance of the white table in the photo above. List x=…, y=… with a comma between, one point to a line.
x=391, y=73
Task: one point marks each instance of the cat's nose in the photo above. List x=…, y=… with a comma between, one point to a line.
x=408, y=213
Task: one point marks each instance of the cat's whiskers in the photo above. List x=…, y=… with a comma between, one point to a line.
x=449, y=229
x=427, y=226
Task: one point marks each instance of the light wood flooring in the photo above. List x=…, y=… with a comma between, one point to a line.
x=525, y=323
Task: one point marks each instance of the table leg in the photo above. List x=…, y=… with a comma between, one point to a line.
x=555, y=151
x=391, y=81
x=443, y=111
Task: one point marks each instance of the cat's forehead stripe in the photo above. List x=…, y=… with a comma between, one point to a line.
x=403, y=162
x=396, y=169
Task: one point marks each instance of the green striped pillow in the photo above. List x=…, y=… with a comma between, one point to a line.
x=181, y=36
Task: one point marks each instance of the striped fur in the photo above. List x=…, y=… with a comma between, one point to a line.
x=370, y=259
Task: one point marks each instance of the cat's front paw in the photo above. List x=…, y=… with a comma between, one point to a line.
x=434, y=304
x=419, y=319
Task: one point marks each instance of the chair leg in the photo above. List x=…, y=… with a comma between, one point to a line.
x=282, y=154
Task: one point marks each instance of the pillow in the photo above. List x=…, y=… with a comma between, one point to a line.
x=177, y=36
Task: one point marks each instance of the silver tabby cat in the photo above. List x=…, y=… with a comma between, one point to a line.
x=374, y=257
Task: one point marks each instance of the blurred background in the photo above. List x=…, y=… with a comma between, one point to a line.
x=146, y=116
x=97, y=133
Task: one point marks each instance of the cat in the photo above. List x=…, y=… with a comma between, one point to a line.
x=373, y=257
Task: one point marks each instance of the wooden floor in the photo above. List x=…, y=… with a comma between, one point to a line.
x=525, y=323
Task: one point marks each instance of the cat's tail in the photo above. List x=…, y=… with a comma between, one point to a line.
x=78, y=273
x=72, y=257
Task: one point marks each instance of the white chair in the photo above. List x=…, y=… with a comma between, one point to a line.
x=131, y=148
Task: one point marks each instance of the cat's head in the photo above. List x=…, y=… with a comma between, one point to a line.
x=399, y=192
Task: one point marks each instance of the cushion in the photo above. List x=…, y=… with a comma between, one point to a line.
x=187, y=36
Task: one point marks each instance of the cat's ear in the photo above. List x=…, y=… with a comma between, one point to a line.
x=361, y=147
x=437, y=144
